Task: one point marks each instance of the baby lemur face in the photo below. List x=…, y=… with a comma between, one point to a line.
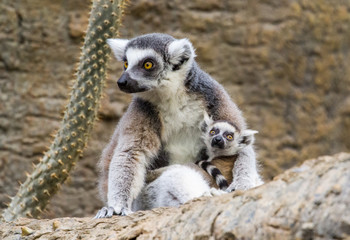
x=224, y=139
x=222, y=135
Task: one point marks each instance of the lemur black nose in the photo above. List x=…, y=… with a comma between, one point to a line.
x=122, y=82
x=217, y=142
x=217, y=139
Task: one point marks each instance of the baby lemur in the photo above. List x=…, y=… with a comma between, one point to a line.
x=174, y=185
x=223, y=139
x=177, y=184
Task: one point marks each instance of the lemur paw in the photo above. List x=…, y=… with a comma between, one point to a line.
x=240, y=186
x=126, y=212
x=230, y=188
x=107, y=212
x=214, y=192
x=217, y=192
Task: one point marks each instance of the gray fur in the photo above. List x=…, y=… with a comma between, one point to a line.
x=156, y=41
x=175, y=95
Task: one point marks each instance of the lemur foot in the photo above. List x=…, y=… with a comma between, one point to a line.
x=107, y=212
x=230, y=188
x=217, y=192
x=242, y=186
x=214, y=192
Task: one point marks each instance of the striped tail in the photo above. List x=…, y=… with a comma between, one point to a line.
x=214, y=172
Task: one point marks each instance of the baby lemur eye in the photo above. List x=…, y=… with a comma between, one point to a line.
x=212, y=132
x=148, y=65
x=125, y=64
x=229, y=136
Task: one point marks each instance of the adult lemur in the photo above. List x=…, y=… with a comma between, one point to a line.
x=162, y=124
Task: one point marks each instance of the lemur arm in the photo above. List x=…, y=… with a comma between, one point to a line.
x=245, y=172
x=137, y=143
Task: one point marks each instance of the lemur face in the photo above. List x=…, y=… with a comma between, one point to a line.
x=142, y=70
x=222, y=135
x=148, y=59
x=224, y=139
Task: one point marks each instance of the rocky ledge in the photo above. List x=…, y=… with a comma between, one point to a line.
x=311, y=201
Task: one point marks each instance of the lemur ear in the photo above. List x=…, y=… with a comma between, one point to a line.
x=180, y=51
x=247, y=138
x=118, y=47
x=206, y=122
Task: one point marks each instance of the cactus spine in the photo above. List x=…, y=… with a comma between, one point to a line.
x=70, y=140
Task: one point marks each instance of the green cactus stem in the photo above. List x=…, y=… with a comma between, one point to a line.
x=70, y=140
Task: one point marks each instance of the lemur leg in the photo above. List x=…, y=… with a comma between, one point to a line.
x=126, y=179
x=135, y=143
x=245, y=172
x=126, y=183
x=177, y=185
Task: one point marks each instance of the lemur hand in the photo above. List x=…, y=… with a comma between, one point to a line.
x=107, y=212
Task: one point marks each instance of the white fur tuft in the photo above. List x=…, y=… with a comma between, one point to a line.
x=208, y=121
x=135, y=55
x=248, y=136
x=179, y=49
x=248, y=132
x=118, y=47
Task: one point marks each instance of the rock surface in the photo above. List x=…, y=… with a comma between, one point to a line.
x=284, y=62
x=310, y=201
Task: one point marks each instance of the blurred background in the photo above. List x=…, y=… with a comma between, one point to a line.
x=286, y=63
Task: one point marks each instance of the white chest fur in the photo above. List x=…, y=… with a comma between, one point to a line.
x=181, y=133
x=181, y=114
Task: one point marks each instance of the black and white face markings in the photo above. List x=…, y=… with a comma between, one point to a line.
x=222, y=139
x=148, y=60
x=142, y=70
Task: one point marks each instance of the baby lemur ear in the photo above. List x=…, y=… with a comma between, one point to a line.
x=118, y=47
x=247, y=138
x=206, y=122
x=180, y=51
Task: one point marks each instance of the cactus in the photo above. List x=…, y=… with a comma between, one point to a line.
x=70, y=140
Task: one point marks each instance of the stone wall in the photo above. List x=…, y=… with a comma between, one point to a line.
x=284, y=62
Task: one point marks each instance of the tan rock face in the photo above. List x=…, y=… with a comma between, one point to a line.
x=306, y=202
x=285, y=63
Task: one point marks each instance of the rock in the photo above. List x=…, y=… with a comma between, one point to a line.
x=26, y=231
x=78, y=22
x=284, y=208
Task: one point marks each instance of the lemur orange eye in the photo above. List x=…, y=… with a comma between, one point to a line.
x=126, y=64
x=148, y=65
x=212, y=132
x=229, y=137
